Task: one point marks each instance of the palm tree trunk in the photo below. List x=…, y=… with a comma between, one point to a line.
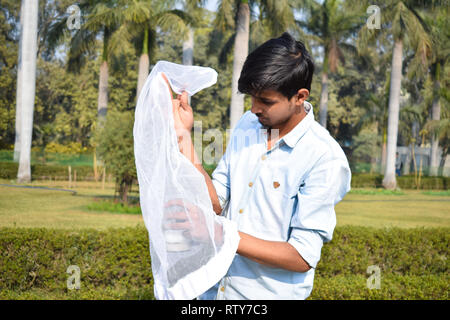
x=383, y=152
x=389, y=181
x=102, y=105
x=28, y=85
x=19, y=92
x=323, y=107
x=103, y=91
x=188, y=52
x=373, y=156
x=144, y=65
x=240, y=54
x=435, y=115
x=188, y=49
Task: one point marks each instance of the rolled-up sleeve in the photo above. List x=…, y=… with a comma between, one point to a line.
x=221, y=179
x=314, y=218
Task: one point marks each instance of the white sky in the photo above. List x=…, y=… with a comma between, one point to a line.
x=212, y=5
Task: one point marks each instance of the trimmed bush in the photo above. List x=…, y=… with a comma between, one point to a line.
x=392, y=287
x=8, y=170
x=115, y=264
x=360, y=180
x=417, y=251
x=114, y=207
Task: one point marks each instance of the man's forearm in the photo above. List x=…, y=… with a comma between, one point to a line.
x=276, y=254
x=187, y=149
x=272, y=253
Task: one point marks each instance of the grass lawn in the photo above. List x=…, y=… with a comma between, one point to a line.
x=55, y=209
x=409, y=209
x=364, y=207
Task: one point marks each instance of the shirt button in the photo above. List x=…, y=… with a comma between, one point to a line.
x=241, y=210
x=250, y=184
x=222, y=289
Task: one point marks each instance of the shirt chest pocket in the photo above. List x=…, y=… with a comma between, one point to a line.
x=284, y=182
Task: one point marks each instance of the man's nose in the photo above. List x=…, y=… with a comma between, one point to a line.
x=256, y=109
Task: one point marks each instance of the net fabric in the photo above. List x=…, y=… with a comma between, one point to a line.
x=185, y=262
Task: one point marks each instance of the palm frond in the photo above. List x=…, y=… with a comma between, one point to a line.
x=225, y=15
x=174, y=21
x=226, y=49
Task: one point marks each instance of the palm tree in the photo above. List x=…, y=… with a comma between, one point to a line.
x=404, y=25
x=194, y=9
x=188, y=49
x=98, y=22
x=83, y=42
x=235, y=14
x=277, y=15
x=19, y=91
x=438, y=27
x=329, y=24
x=138, y=22
x=27, y=85
x=46, y=11
x=240, y=54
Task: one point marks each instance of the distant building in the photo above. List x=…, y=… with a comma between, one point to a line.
x=422, y=155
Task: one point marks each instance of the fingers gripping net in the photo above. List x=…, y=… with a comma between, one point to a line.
x=191, y=247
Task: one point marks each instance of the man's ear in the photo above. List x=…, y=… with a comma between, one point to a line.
x=301, y=96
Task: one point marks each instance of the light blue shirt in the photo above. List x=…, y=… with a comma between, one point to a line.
x=285, y=194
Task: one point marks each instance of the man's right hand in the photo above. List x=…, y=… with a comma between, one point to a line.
x=183, y=114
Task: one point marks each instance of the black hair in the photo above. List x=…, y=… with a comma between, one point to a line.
x=281, y=64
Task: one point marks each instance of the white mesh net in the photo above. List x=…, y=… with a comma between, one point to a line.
x=185, y=262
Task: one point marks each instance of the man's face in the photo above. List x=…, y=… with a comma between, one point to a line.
x=272, y=108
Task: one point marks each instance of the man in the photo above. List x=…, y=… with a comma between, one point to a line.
x=398, y=165
x=280, y=183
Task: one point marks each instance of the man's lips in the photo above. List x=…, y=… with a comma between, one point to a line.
x=261, y=119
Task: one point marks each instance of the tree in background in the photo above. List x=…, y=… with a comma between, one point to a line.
x=46, y=12
x=194, y=8
x=402, y=23
x=27, y=85
x=439, y=28
x=116, y=148
x=275, y=15
x=83, y=43
x=329, y=25
x=9, y=40
x=239, y=56
x=18, y=133
x=66, y=103
x=139, y=21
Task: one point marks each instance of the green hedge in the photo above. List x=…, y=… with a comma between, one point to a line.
x=115, y=264
x=361, y=180
x=392, y=287
x=8, y=170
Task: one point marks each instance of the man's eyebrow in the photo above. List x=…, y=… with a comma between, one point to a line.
x=265, y=99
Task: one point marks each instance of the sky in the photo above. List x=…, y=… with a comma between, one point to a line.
x=212, y=5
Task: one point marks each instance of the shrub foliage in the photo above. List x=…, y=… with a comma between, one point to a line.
x=115, y=264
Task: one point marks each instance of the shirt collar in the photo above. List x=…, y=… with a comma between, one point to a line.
x=293, y=136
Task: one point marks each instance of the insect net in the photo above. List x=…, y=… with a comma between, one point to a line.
x=185, y=262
